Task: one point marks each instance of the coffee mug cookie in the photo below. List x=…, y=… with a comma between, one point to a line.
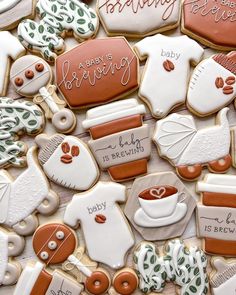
x=58, y=18
x=28, y=194
x=159, y=206
x=120, y=142
x=216, y=214
x=189, y=149
x=67, y=161
x=217, y=75
x=31, y=76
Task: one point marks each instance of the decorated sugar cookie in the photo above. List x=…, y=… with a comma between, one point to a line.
x=189, y=149
x=57, y=19
x=223, y=276
x=166, y=75
x=31, y=76
x=217, y=75
x=233, y=145
x=86, y=74
x=17, y=117
x=182, y=265
x=137, y=18
x=217, y=19
x=57, y=244
x=12, y=245
x=67, y=161
x=21, y=198
x=104, y=226
x=120, y=141
x=216, y=214
x=159, y=206
x=11, y=49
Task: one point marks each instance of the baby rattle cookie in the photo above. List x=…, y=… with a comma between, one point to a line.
x=182, y=265
x=56, y=243
x=216, y=214
x=223, y=276
x=137, y=18
x=166, y=75
x=189, y=149
x=17, y=117
x=210, y=22
x=103, y=223
x=21, y=198
x=217, y=75
x=120, y=142
x=12, y=245
x=58, y=18
x=31, y=76
x=67, y=161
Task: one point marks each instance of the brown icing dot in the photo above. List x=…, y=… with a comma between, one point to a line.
x=19, y=81
x=168, y=65
x=66, y=159
x=97, y=283
x=39, y=67
x=219, y=82
x=125, y=283
x=29, y=74
x=99, y=218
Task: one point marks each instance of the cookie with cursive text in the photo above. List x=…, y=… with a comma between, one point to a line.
x=120, y=141
x=31, y=76
x=159, y=206
x=216, y=214
x=86, y=74
x=138, y=18
x=167, y=71
x=210, y=22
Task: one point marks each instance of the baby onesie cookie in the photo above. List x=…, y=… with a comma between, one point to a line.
x=182, y=265
x=216, y=214
x=159, y=206
x=56, y=243
x=213, y=84
x=13, y=11
x=86, y=74
x=103, y=223
x=11, y=49
x=17, y=117
x=120, y=141
x=189, y=149
x=166, y=75
x=67, y=161
x=12, y=245
x=233, y=145
x=210, y=22
x=58, y=18
x=223, y=276
x=137, y=18
x=31, y=76
x=21, y=198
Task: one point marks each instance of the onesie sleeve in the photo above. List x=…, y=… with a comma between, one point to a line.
x=195, y=50
x=119, y=192
x=142, y=47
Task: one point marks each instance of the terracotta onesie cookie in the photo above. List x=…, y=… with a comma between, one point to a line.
x=120, y=141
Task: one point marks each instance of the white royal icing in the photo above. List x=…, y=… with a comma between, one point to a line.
x=101, y=238
x=164, y=89
x=178, y=139
x=5, y=5
x=3, y=255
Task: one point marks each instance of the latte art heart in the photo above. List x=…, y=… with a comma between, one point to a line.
x=158, y=193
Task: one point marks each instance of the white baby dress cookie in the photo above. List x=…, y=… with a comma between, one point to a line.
x=165, y=78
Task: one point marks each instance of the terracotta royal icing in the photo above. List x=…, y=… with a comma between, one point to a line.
x=168, y=60
x=217, y=74
x=86, y=74
x=57, y=18
x=186, y=267
x=178, y=139
x=122, y=17
x=60, y=156
x=100, y=238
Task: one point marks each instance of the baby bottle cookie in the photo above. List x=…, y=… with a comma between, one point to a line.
x=216, y=214
x=217, y=75
x=104, y=226
x=58, y=18
x=67, y=161
x=31, y=76
x=12, y=245
x=21, y=198
x=120, y=141
x=189, y=149
x=166, y=75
